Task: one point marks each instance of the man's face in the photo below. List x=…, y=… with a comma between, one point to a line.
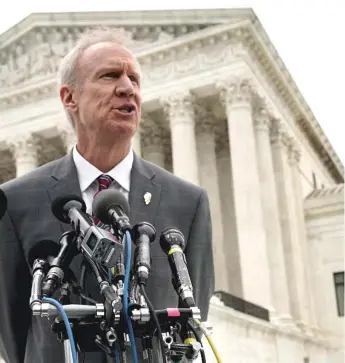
x=108, y=99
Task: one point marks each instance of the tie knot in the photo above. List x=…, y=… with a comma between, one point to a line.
x=104, y=181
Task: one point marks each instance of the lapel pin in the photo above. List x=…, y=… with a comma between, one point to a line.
x=147, y=198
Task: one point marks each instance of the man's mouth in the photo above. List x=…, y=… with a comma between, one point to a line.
x=126, y=108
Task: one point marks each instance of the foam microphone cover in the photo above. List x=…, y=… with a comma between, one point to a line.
x=46, y=249
x=3, y=203
x=109, y=199
x=62, y=205
x=171, y=237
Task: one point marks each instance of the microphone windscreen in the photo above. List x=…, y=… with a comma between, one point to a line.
x=46, y=249
x=106, y=200
x=3, y=203
x=171, y=237
x=62, y=205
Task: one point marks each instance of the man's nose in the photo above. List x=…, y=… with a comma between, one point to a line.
x=124, y=87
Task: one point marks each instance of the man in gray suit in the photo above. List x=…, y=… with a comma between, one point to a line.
x=100, y=91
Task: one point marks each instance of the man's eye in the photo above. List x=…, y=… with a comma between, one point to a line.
x=111, y=75
x=134, y=79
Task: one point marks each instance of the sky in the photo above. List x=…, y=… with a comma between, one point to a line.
x=308, y=35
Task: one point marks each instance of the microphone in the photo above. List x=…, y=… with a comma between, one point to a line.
x=56, y=273
x=172, y=243
x=143, y=234
x=3, y=203
x=98, y=244
x=112, y=208
x=39, y=257
x=45, y=249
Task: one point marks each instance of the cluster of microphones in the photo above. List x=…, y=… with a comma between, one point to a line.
x=104, y=245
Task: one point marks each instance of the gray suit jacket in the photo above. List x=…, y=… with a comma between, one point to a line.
x=175, y=203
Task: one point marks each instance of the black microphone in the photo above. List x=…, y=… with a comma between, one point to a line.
x=143, y=234
x=3, y=203
x=112, y=208
x=39, y=258
x=55, y=275
x=97, y=243
x=172, y=243
x=45, y=249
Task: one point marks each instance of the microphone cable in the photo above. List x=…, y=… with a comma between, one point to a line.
x=209, y=339
x=154, y=316
x=198, y=339
x=64, y=316
x=128, y=244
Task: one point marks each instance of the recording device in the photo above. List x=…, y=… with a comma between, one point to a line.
x=98, y=244
x=172, y=243
x=3, y=203
x=112, y=208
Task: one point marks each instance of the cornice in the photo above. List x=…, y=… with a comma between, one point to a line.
x=288, y=91
x=125, y=18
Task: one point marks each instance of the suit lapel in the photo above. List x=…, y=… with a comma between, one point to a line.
x=65, y=182
x=142, y=182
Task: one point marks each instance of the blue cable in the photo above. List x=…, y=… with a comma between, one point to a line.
x=60, y=309
x=125, y=296
x=117, y=353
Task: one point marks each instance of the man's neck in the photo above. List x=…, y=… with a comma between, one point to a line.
x=102, y=157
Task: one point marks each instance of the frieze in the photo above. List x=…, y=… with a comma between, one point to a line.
x=39, y=52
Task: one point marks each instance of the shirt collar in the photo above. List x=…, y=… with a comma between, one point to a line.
x=88, y=173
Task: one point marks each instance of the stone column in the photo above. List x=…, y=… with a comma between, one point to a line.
x=233, y=266
x=294, y=157
x=24, y=149
x=288, y=221
x=152, y=143
x=236, y=94
x=208, y=174
x=179, y=109
x=280, y=292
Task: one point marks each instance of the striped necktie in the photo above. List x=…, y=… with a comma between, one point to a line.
x=104, y=182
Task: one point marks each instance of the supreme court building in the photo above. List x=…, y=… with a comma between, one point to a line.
x=220, y=110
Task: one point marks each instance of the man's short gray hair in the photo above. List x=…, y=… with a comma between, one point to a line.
x=67, y=73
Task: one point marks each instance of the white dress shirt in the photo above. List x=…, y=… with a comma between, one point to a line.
x=88, y=174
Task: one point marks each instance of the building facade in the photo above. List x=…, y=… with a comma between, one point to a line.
x=221, y=111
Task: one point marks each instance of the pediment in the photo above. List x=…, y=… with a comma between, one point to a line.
x=31, y=51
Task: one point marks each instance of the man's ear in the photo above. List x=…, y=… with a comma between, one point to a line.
x=67, y=97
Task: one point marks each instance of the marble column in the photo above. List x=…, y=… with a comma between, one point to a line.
x=179, y=109
x=236, y=94
x=294, y=157
x=280, y=293
x=233, y=266
x=208, y=174
x=289, y=225
x=24, y=149
x=152, y=143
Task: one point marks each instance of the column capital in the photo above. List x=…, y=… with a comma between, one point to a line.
x=179, y=106
x=204, y=118
x=235, y=90
x=23, y=146
x=294, y=152
x=261, y=116
x=279, y=135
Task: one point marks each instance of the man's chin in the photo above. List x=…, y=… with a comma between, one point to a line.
x=121, y=128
